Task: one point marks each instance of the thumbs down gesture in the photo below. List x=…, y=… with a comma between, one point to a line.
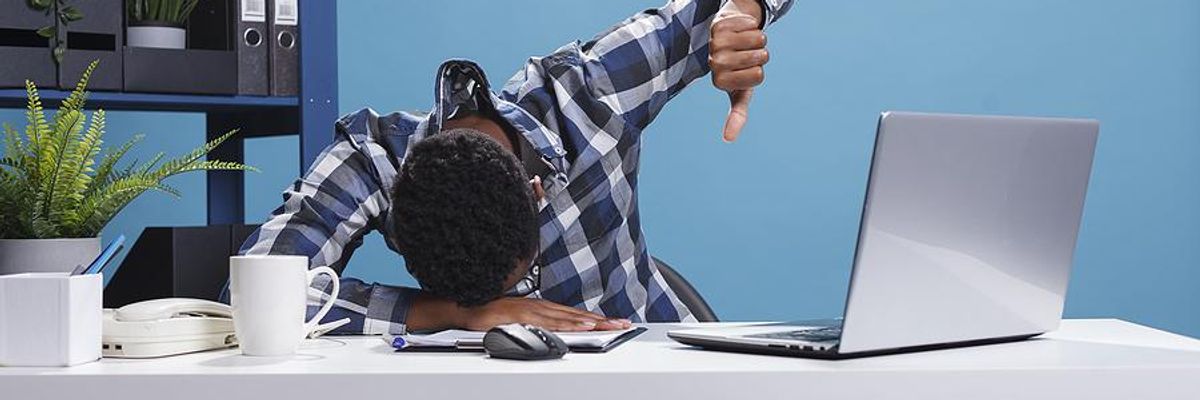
x=737, y=54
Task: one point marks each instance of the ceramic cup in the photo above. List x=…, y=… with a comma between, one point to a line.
x=269, y=296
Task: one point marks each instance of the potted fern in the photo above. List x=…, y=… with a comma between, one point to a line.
x=54, y=195
x=158, y=23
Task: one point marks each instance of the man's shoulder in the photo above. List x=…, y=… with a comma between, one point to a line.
x=394, y=131
x=369, y=124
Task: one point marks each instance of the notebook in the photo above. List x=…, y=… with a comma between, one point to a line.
x=461, y=340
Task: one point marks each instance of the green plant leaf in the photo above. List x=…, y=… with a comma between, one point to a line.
x=72, y=14
x=106, y=172
x=13, y=143
x=67, y=177
x=39, y=4
x=152, y=9
x=59, y=51
x=78, y=96
x=98, y=209
x=37, y=131
x=186, y=10
x=77, y=176
x=168, y=189
x=109, y=198
x=146, y=167
x=56, y=199
x=175, y=12
x=216, y=165
x=51, y=185
x=47, y=31
x=169, y=10
x=10, y=189
x=136, y=9
x=174, y=166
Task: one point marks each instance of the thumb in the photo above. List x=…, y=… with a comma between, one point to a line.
x=739, y=110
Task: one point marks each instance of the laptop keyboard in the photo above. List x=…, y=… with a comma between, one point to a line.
x=824, y=334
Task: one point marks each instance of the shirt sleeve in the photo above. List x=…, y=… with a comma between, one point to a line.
x=634, y=68
x=324, y=216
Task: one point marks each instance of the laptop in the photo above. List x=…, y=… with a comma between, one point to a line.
x=967, y=237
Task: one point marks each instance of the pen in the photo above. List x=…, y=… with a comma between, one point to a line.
x=78, y=269
x=396, y=341
x=105, y=256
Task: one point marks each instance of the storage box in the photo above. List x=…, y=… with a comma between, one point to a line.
x=50, y=319
x=24, y=54
x=188, y=262
x=180, y=71
x=207, y=66
x=98, y=36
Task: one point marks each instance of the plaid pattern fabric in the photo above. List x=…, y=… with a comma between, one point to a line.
x=580, y=112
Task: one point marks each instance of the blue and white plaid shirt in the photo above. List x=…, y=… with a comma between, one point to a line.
x=580, y=110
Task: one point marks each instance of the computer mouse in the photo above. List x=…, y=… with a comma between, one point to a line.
x=523, y=342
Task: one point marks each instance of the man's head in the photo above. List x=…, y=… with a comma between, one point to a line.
x=464, y=215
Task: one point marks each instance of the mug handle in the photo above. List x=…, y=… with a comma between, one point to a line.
x=312, y=325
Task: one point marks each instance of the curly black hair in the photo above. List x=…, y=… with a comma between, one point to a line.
x=463, y=215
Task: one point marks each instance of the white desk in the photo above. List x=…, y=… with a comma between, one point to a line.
x=1086, y=359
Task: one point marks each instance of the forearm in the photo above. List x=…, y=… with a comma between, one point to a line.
x=430, y=312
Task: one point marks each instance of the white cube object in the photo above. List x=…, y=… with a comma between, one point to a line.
x=50, y=319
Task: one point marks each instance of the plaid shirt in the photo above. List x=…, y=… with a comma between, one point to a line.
x=580, y=112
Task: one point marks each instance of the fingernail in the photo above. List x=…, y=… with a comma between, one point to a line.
x=588, y=324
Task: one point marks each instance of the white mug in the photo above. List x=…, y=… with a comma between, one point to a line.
x=269, y=296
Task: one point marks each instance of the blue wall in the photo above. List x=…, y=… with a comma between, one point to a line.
x=768, y=225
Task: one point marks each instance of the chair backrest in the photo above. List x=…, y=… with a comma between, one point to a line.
x=686, y=292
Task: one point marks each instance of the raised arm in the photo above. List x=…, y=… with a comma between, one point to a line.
x=635, y=67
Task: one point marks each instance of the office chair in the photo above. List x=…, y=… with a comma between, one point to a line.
x=686, y=292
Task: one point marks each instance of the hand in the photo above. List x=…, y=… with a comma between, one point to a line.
x=737, y=52
x=537, y=312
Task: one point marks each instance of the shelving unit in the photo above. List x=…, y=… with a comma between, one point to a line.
x=310, y=116
x=153, y=101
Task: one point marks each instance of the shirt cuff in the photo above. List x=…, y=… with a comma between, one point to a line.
x=773, y=10
x=387, y=311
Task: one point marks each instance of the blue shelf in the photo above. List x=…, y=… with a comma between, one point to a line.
x=311, y=118
x=152, y=101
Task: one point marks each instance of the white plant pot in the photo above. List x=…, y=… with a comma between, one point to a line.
x=161, y=37
x=46, y=255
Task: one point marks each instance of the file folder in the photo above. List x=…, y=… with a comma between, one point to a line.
x=252, y=46
x=284, y=28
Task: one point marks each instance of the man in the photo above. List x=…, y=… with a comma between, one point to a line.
x=520, y=206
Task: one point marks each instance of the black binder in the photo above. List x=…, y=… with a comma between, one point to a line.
x=283, y=19
x=252, y=45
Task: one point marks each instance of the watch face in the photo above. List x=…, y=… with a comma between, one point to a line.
x=528, y=284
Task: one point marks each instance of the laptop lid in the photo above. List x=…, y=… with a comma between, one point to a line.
x=968, y=229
